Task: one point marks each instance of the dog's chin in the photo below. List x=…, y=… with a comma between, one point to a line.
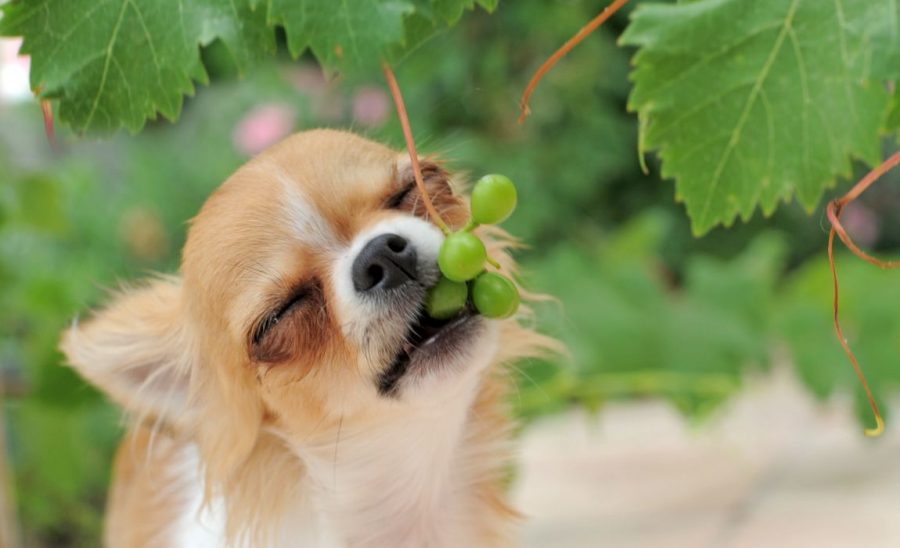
x=435, y=350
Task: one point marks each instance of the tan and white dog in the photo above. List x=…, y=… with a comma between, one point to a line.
x=287, y=389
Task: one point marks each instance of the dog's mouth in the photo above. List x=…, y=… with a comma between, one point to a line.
x=427, y=339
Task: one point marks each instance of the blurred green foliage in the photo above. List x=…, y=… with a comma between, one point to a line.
x=645, y=309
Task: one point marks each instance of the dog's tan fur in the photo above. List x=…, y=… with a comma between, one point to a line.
x=178, y=353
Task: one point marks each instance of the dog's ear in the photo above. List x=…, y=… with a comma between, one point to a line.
x=137, y=350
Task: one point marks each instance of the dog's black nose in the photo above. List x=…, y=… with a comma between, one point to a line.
x=385, y=262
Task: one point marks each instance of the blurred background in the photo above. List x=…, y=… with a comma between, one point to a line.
x=706, y=401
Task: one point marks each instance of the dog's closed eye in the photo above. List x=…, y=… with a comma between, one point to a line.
x=437, y=183
x=269, y=342
x=272, y=318
x=397, y=200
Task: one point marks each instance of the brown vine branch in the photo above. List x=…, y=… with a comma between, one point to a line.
x=411, y=146
x=47, y=109
x=834, y=210
x=594, y=24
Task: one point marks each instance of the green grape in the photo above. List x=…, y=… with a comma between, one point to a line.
x=462, y=256
x=493, y=199
x=495, y=296
x=446, y=298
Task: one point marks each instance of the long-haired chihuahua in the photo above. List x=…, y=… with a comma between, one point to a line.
x=286, y=388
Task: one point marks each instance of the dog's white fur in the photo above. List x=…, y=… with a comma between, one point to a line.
x=286, y=440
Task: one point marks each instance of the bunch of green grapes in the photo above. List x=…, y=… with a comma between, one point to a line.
x=463, y=256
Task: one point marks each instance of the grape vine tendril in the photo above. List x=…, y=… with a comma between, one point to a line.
x=594, y=24
x=834, y=210
x=411, y=146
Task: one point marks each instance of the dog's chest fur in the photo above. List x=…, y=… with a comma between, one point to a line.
x=409, y=486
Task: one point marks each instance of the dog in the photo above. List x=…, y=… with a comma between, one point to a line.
x=285, y=388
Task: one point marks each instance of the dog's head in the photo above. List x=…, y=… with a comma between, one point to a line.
x=299, y=306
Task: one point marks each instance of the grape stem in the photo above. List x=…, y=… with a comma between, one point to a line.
x=834, y=210
x=608, y=11
x=411, y=146
x=472, y=225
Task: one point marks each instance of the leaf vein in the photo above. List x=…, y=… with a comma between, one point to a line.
x=105, y=73
x=770, y=132
x=725, y=50
x=807, y=101
x=845, y=57
x=748, y=106
x=140, y=17
x=62, y=39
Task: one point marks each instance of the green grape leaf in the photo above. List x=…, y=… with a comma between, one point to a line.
x=363, y=32
x=340, y=33
x=114, y=63
x=750, y=103
x=428, y=18
x=118, y=63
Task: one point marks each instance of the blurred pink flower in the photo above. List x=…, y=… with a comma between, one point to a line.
x=861, y=224
x=14, y=69
x=370, y=106
x=263, y=126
